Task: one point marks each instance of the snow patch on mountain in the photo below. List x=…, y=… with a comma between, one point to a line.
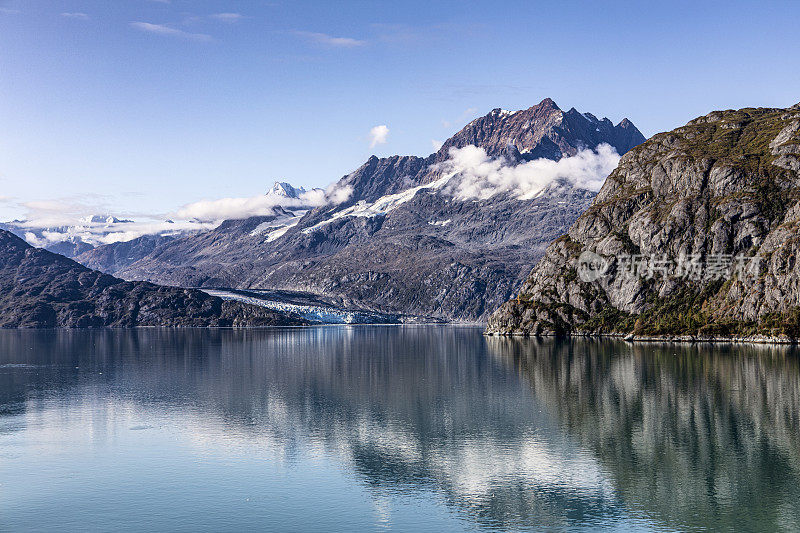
x=280, y=232
x=470, y=174
x=382, y=205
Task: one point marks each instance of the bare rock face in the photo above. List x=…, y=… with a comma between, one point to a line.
x=543, y=130
x=112, y=258
x=40, y=289
x=429, y=253
x=716, y=203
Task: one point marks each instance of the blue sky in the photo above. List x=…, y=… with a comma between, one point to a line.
x=141, y=106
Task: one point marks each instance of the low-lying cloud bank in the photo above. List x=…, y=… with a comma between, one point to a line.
x=53, y=221
x=49, y=222
x=236, y=208
x=98, y=234
x=479, y=176
x=262, y=205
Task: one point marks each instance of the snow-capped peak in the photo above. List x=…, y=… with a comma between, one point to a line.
x=102, y=219
x=285, y=190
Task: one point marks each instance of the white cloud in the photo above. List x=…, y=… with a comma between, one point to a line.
x=80, y=16
x=237, y=208
x=161, y=29
x=51, y=221
x=329, y=40
x=229, y=18
x=233, y=208
x=336, y=193
x=9, y=11
x=101, y=233
x=378, y=135
x=480, y=176
x=437, y=145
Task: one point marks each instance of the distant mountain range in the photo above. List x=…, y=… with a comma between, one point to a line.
x=91, y=231
x=451, y=235
x=71, y=240
x=42, y=289
x=67, y=240
x=695, y=234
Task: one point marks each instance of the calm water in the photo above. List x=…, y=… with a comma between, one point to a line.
x=391, y=428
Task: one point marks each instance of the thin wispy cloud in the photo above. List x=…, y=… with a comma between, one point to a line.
x=378, y=135
x=329, y=40
x=9, y=11
x=422, y=35
x=228, y=18
x=161, y=29
x=468, y=113
x=79, y=16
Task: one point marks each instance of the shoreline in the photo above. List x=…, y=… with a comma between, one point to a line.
x=676, y=339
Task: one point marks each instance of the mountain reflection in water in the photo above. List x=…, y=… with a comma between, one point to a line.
x=426, y=427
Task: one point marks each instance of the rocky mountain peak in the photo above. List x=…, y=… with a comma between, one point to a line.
x=285, y=190
x=541, y=131
x=588, y=115
x=716, y=204
x=547, y=103
x=103, y=219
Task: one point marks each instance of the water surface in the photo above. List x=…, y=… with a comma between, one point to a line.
x=392, y=428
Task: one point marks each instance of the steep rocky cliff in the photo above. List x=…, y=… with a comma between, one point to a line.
x=697, y=232
x=42, y=289
x=400, y=241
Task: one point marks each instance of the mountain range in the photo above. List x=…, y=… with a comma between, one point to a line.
x=84, y=234
x=695, y=234
x=71, y=239
x=448, y=236
x=41, y=289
